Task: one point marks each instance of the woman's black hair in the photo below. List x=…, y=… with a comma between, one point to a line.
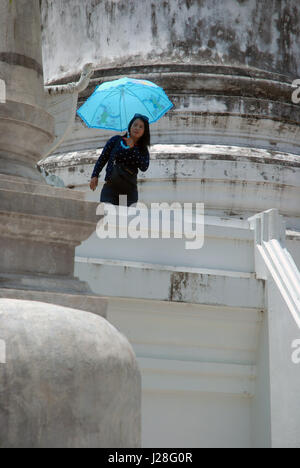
x=144, y=141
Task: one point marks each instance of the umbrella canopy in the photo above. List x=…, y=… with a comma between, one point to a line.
x=114, y=103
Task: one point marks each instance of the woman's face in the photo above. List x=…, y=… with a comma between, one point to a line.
x=137, y=129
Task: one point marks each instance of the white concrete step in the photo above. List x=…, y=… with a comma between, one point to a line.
x=167, y=283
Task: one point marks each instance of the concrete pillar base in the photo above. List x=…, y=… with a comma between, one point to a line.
x=68, y=379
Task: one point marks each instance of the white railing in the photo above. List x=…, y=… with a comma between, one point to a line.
x=273, y=259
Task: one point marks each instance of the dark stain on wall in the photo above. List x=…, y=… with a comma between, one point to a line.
x=154, y=28
x=179, y=282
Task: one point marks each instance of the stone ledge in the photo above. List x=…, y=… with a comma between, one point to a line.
x=93, y=304
x=173, y=375
x=44, y=229
x=29, y=116
x=44, y=283
x=181, y=152
x=27, y=203
x=159, y=267
x=193, y=125
x=40, y=231
x=144, y=281
x=178, y=68
x=28, y=186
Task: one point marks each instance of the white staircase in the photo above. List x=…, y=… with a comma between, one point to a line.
x=275, y=265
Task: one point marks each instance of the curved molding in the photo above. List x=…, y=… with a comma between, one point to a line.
x=72, y=87
x=61, y=102
x=181, y=69
x=238, y=179
x=272, y=259
x=21, y=60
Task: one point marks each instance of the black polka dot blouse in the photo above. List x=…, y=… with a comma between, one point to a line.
x=116, y=150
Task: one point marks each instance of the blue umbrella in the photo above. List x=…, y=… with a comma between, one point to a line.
x=113, y=104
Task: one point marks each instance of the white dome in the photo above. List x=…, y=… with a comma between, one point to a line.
x=70, y=379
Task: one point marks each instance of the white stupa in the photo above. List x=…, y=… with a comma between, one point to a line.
x=215, y=330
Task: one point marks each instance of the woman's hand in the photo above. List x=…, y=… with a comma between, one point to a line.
x=94, y=183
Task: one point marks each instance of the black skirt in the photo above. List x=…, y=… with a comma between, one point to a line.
x=110, y=194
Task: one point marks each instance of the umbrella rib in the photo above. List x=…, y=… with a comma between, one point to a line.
x=133, y=94
x=126, y=120
x=113, y=90
x=120, y=111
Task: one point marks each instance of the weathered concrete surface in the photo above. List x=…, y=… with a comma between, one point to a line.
x=61, y=102
x=25, y=125
x=40, y=232
x=85, y=300
x=40, y=228
x=228, y=67
x=248, y=33
x=70, y=380
x=231, y=180
x=25, y=130
x=20, y=51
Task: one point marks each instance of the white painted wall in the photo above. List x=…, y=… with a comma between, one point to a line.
x=198, y=370
x=195, y=420
x=261, y=410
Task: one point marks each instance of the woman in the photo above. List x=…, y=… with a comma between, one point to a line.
x=125, y=155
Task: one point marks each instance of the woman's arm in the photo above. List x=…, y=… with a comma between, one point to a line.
x=104, y=157
x=144, y=160
x=94, y=183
